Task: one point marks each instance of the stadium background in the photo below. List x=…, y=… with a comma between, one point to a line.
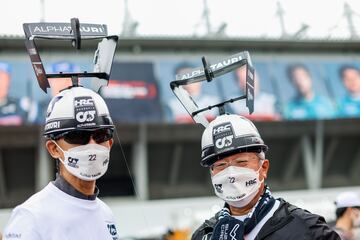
x=311, y=159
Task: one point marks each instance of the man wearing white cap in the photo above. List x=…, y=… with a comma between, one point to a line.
x=347, y=214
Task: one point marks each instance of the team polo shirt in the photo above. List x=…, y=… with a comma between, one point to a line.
x=317, y=108
x=349, y=106
x=53, y=214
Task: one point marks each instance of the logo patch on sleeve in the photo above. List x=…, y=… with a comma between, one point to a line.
x=112, y=230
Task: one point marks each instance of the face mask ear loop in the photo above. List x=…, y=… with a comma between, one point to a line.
x=258, y=171
x=59, y=159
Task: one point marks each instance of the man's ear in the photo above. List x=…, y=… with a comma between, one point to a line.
x=111, y=142
x=53, y=150
x=265, y=168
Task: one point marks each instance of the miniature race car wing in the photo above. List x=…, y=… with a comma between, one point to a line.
x=208, y=73
x=76, y=33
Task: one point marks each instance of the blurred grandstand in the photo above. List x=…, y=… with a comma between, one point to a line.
x=312, y=156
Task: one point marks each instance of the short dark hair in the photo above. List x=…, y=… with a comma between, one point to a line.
x=291, y=68
x=347, y=67
x=340, y=212
x=182, y=65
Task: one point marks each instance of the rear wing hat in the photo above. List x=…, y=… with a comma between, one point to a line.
x=76, y=33
x=208, y=73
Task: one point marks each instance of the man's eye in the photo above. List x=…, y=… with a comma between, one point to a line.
x=239, y=162
x=220, y=165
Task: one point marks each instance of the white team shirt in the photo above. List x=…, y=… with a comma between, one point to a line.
x=258, y=226
x=52, y=214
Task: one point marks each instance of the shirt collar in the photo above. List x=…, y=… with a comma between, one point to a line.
x=66, y=187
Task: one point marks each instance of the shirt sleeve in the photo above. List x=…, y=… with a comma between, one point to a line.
x=320, y=230
x=21, y=225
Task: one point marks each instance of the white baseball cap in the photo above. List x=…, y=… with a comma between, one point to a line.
x=347, y=199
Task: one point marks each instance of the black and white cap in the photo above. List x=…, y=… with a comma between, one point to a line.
x=227, y=135
x=76, y=108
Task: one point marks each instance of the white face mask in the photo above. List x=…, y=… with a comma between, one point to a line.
x=356, y=219
x=236, y=185
x=87, y=162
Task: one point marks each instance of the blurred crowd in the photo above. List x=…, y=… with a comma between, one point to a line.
x=141, y=98
x=347, y=222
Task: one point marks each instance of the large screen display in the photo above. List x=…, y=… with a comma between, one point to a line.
x=138, y=91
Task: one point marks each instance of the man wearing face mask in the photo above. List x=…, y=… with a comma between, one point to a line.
x=235, y=153
x=79, y=133
x=347, y=215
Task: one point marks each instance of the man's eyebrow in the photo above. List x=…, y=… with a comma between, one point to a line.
x=220, y=161
x=241, y=160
